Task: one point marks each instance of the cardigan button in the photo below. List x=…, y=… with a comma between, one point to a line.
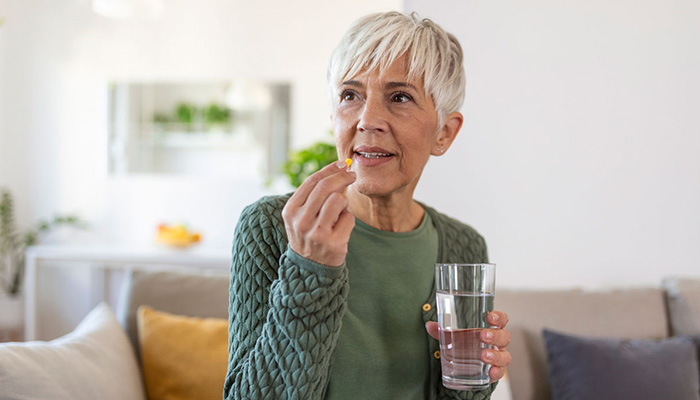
x=426, y=307
x=437, y=355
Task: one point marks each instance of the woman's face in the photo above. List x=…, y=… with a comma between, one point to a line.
x=388, y=125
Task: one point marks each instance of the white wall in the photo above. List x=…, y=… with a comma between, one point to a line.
x=579, y=157
x=57, y=57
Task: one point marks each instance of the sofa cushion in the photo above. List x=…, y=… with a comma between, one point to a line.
x=203, y=294
x=634, y=314
x=583, y=368
x=182, y=357
x=95, y=361
x=683, y=296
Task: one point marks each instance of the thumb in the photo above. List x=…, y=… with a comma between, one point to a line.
x=432, y=328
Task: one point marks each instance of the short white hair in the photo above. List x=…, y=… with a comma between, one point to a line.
x=377, y=40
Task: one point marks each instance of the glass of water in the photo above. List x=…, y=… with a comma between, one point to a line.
x=465, y=294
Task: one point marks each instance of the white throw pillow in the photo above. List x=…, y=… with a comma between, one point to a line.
x=95, y=361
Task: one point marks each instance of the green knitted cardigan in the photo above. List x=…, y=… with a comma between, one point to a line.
x=285, y=311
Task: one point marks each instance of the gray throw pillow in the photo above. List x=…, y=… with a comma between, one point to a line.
x=613, y=369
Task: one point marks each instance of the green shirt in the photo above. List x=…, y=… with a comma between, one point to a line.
x=382, y=349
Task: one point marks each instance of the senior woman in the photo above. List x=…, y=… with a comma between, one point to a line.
x=332, y=288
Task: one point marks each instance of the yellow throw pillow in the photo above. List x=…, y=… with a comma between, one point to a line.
x=182, y=357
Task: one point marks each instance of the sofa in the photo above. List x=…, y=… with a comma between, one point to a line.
x=642, y=314
x=188, y=304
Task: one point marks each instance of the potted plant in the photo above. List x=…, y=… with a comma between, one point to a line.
x=301, y=164
x=14, y=243
x=186, y=114
x=216, y=116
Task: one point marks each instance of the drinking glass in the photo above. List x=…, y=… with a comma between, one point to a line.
x=465, y=295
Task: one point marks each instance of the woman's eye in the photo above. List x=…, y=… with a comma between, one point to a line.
x=348, y=95
x=400, y=98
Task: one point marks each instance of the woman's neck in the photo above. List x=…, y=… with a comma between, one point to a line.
x=393, y=213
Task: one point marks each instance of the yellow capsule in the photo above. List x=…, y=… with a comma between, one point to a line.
x=348, y=162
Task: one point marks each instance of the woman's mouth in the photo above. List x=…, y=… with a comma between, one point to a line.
x=373, y=154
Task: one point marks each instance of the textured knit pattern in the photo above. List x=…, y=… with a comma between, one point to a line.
x=285, y=311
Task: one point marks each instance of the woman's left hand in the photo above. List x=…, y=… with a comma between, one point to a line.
x=498, y=356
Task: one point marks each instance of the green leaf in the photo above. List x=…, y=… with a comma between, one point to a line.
x=305, y=162
x=185, y=113
x=13, y=243
x=216, y=114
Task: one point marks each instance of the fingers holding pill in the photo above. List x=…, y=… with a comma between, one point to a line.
x=299, y=197
x=316, y=218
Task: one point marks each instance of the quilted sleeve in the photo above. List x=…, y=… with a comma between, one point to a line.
x=285, y=313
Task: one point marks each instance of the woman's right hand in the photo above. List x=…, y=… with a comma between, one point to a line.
x=316, y=218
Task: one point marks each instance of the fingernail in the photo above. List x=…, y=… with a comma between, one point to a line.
x=341, y=164
x=488, y=335
x=495, y=317
x=488, y=356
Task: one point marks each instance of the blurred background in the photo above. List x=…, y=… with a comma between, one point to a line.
x=578, y=160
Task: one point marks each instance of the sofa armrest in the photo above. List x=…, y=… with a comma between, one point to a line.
x=683, y=298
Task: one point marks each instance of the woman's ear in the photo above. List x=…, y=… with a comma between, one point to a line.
x=448, y=133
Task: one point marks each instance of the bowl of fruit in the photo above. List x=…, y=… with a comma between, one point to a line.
x=177, y=235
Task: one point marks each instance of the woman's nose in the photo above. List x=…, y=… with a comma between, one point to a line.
x=373, y=117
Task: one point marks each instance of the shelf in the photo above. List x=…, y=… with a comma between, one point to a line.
x=205, y=140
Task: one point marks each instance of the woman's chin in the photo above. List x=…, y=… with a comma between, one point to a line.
x=371, y=187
